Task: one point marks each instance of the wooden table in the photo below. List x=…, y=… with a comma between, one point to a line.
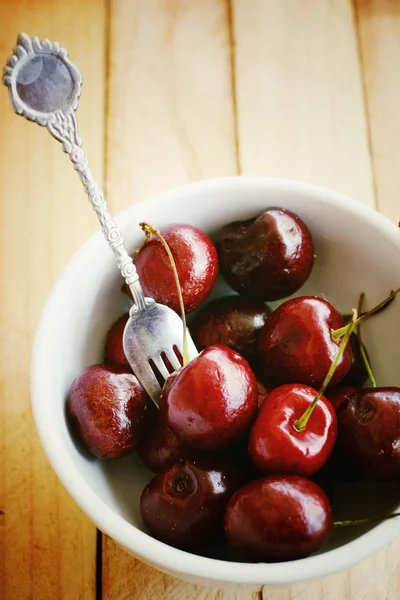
x=174, y=91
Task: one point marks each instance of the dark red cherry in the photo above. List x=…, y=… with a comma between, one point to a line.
x=357, y=374
x=275, y=446
x=183, y=505
x=269, y=257
x=160, y=447
x=339, y=395
x=114, y=351
x=109, y=410
x=211, y=402
x=278, y=518
x=232, y=321
x=196, y=262
x=296, y=344
x=369, y=432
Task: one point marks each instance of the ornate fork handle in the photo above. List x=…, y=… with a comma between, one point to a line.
x=63, y=127
x=44, y=87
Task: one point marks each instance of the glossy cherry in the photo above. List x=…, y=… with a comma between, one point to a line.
x=160, y=447
x=183, y=505
x=369, y=432
x=269, y=257
x=232, y=321
x=296, y=344
x=278, y=518
x=114, y=351
x=275, y=446
x=109, y=410
x=211, y=402
x=196, y=262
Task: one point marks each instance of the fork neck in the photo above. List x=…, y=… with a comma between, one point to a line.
x=138, y=297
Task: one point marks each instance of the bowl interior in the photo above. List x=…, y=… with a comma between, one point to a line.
x=356, y=250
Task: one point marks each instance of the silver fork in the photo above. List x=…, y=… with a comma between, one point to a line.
x=44, y=87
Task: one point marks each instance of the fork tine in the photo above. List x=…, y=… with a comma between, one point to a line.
x=173, y=359
x=148, y=334
x=159, y=363
x=147, y=378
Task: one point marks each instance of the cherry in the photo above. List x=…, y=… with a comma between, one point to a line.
x=278, y=518
x=269, y=257
x=358, y=373
x=160, y=447
x=183, y=505
x=196, y=261
x=232, y=321
x=276, y=446
x=369, y=432
x=339, y=395
x=109, y=410
x=212, y=401
x=296, y=343
x=114, y=352
x=296, y=427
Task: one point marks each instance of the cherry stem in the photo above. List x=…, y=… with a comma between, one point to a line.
x=149, y=230
x=361, y=346
x=367, y=365
x=301, y=423
x=364, y=521
x=338, y=333
x=347, y=317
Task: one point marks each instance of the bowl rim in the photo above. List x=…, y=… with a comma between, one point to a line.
x=127, y=535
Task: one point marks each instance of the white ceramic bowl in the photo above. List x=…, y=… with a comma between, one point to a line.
x=357, y=249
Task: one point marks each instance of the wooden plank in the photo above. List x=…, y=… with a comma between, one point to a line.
x=47, y=545
x=299, y=93
x=374, y=579
x=170, y=121
x=379, y=35
x=170, y=102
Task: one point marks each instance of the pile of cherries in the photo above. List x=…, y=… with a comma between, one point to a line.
x=246, y=433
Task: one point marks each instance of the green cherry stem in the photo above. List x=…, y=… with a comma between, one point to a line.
x=367, y=365
x=347, y=317
x=361, y=346
x=149, y=230
x=338, y=333
x=360, y=343
x=301, y=423
x=354, y=522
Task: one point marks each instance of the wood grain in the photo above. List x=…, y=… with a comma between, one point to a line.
x=299, y=93
x=170, y=117
x=47, y=545
x=379, y=36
